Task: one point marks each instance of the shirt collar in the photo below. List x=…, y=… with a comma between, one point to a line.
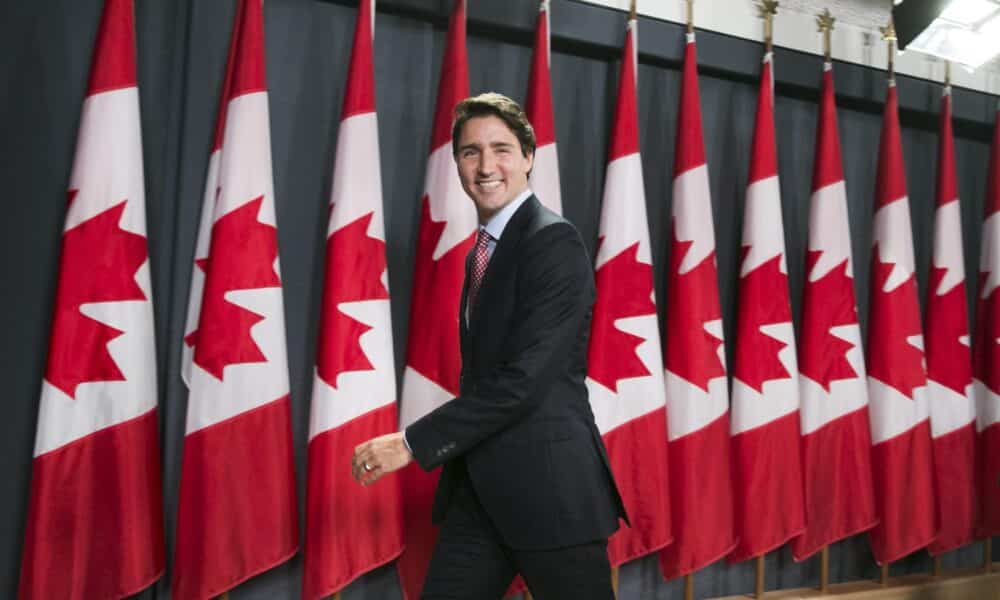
x=498, y=222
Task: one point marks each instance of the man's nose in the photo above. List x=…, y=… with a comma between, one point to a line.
x=487, y=163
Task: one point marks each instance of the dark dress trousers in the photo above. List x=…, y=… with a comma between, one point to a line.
x=521, y=432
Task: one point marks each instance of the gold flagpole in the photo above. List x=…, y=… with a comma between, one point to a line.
x=889, y=36
x=824, y=24
x=766, y=9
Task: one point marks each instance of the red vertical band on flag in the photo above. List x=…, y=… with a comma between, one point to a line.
x=113, y=63
x=836, y=442
x=360, y=94
x=351, y=529
x=544, y=178
x=433, y=357
x=987, y=353
x=94, y=527
x=949, y=359
x=624, y=363
x=701, y=496
x=767, y=470
x=901, y=455
x=539, y=103
x=625, y=127
x=237, y=509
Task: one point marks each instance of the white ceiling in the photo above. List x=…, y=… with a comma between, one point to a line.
x=867, y=14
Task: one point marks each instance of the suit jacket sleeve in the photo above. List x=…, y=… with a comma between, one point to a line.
x=556, y=294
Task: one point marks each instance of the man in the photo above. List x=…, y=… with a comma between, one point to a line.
x=526, y=485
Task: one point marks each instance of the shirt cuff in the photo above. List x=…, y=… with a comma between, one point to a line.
x=407, y=443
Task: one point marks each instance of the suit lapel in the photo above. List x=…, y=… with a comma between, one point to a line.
x=463, y=327
x=502, y=258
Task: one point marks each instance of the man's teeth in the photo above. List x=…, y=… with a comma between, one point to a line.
x=489, y=184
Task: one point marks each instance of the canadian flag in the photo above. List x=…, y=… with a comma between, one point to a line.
x=987, y=353
x=236, y=514
x=95, y=520
x=701, y=491
x=544, y=178
x=836, y=442
x=897, y=381
x=625, y=368
x=949, y=360
x=351, y=529
x=433, y=359
x=767, y=466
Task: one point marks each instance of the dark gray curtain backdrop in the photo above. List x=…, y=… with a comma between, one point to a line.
x=44, y=59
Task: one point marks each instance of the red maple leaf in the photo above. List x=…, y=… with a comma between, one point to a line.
x=98, y=264
x=689, y=351
x=894, y=317
x=354, y=266
x=624, y=289
x=827, y=302
x=433, y=346
x=763, y=301
x=241, y=257
x=947, y=321
x=986, y=357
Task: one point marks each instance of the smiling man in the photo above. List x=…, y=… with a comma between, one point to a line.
x=526, y=486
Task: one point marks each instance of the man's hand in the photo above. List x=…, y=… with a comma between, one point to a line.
x=378, y=456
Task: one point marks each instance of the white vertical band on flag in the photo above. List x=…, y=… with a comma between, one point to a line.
x=360, y=193
x=949, y=410
x=693, y=219
x=893, y=413
x=622, y=187
x=690, y=407
x=243, y=174
x=762, y=225
x=852, y=394
x=645, y=393
x=778, y=397
x=895, y=244
x=829, y=205
x=544, y=180
x=948, y=253
x=358, y=392
x=108, y=138
x=448, y=201
x=202, y=246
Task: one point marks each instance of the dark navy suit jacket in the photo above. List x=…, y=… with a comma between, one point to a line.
x=521, y=429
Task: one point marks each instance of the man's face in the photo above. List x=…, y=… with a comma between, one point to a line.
x=491, y=165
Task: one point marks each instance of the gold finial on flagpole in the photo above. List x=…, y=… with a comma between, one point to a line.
x=631, y=11
x=824, y=23
x=889, y=36
x=947, y=74
x=690, y=16
x=766, y=9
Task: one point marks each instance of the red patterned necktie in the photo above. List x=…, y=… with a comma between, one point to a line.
x=480, y=259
